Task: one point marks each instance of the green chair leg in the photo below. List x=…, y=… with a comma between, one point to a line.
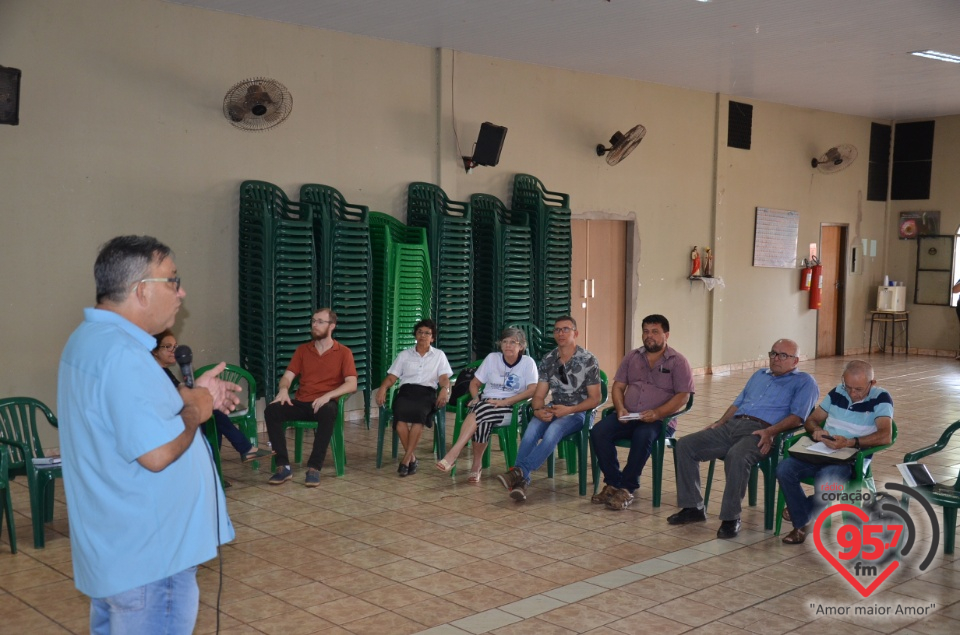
x=949, y=529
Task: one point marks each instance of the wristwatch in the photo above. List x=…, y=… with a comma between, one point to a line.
x=856, y=442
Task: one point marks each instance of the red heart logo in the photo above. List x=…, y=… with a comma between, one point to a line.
x=854, y=582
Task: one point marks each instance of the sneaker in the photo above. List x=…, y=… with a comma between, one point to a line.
x=281, y=476
x=620, y=499
x=687, y=515
x=510, y=478
x=412, y=468
x=519, y=491
x=313, y=477
x=603, y=495
x=403, y=470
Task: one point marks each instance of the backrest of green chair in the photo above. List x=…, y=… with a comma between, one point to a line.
x=4, y=467
x=238, y=376
x=18, y=424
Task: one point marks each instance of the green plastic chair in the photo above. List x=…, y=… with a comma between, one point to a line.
x=576, y=445
x=865, y=478
x=245, y=417
x=6, y=503
x=336, y=441
x=656, y=454
x=386, y=416
x=507, y=435
x=949, y=500
x=18, y=431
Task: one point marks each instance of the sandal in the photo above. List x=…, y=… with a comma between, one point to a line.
x=257, y=454
x=795, y=537
x=474, y=477
x=443, y=466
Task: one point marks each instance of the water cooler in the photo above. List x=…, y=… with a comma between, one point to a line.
x=891, y=298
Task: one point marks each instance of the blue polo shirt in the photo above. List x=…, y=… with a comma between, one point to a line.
x=855, y=419
x=772, y=398
x=130, y=526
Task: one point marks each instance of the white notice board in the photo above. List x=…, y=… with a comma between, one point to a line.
x=775, y=240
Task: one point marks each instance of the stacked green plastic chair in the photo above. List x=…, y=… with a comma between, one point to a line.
x=401, y=288
x=503, y=268
x=277, y=281
x=450, y=237
x=342, y=237
x=552, y=250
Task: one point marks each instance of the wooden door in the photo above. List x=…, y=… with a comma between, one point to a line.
x=830, y=316
x=598, y=288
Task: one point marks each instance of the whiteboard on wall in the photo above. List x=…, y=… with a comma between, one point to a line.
x=775, y=239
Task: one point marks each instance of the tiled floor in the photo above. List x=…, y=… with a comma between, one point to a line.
x=371, y=553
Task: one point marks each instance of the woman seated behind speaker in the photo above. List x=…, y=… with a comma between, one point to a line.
x=510, y=377
x=420, y=371
x=163, y=353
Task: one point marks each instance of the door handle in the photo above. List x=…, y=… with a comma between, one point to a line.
x=593, y=287
x=584, y=288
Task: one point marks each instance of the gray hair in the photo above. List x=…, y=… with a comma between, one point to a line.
x=859, y=367
x=517, y=334
x=122, y=262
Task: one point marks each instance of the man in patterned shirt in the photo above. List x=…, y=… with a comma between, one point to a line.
x=572, y=377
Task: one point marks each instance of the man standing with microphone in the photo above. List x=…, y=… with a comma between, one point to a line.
x=145, y=504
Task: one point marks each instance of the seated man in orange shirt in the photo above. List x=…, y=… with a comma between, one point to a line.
x=327, y=371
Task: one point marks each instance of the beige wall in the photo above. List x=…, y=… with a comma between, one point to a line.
x=121, y=132
x=932, y=328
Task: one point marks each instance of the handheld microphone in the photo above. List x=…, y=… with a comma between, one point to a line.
x=184, y=357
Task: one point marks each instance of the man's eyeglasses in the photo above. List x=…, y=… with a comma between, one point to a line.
x=563, y=329
x=780, y=356
x=562, y=372
x=854, y=389
x=175, y=281
x=168, y=347
x=319, y=321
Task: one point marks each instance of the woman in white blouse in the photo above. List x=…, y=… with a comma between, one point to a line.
x=420, y=371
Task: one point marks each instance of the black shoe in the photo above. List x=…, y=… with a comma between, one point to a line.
x=403, y=470
x=412, y=468
x=687, y=515
x=729, y=529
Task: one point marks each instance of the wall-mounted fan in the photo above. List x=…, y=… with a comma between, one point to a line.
x=835, y=159
x=621, y=145
x=257, y=104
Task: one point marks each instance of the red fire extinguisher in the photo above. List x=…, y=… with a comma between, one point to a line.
x=816, y=288
x=805, y=276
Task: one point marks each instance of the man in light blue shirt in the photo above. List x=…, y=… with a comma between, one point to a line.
x=775, y=400
x=856, y=414
x=145, y=505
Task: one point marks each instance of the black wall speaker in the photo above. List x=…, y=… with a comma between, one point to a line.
x=739, y=125
x=9, y=95
x=489, y=144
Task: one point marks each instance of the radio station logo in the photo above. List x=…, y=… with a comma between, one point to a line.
x=874, y=539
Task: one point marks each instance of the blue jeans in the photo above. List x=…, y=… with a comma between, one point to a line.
x=166, y=606
x=605, y=435
x=541, y=439
x=225, y=428
x=804, y=508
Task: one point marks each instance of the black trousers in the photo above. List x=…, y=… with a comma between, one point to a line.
x=277, y=414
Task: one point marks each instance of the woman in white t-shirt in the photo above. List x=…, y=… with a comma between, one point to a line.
x=421, y=370
x=510, y=377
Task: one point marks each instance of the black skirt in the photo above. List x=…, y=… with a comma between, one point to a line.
x=414, y=403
